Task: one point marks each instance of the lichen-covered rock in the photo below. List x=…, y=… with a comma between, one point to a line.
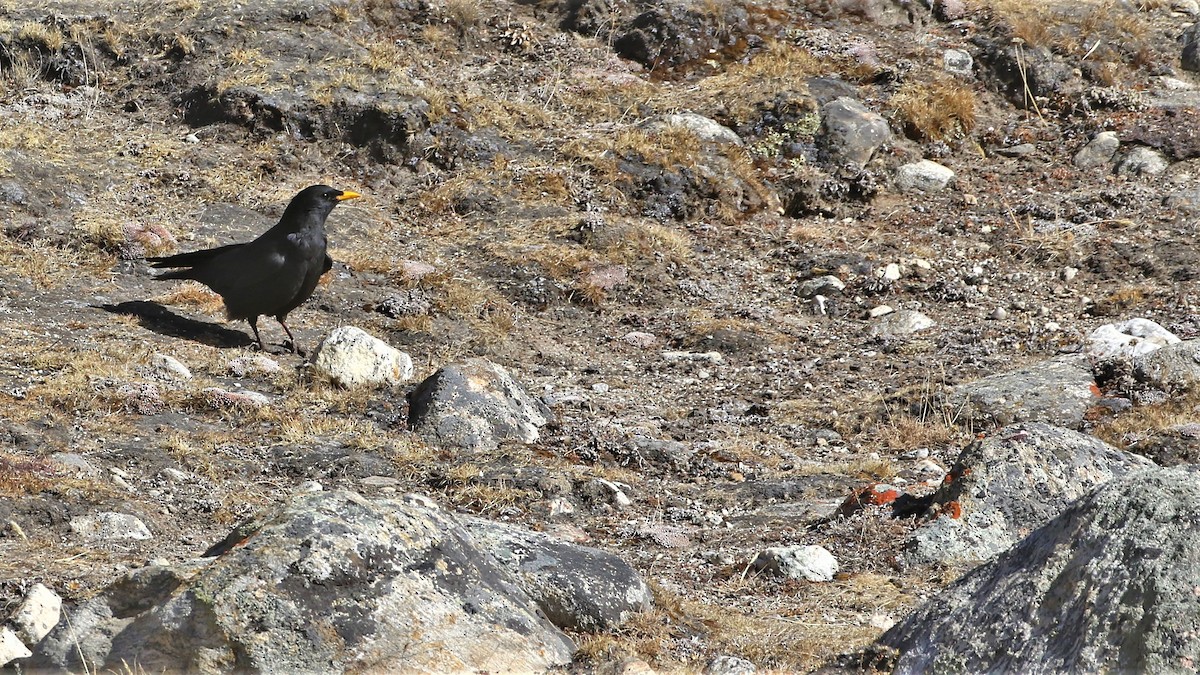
x=578, y=587
x=351, y=357
x=1098, y=152
x=1173, y=368
x=810, y=563
x=331, y=582
x=1109, y=585
x=1003, y=486
x=1058, y=391
x=475, y=405
x=850, y=132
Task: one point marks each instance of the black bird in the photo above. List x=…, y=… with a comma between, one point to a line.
x=273, y=274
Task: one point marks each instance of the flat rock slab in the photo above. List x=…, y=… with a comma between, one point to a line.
x=1058, y=391
x=331, y=582
x=1003, y=486
x=475, y=405
x=1109, y=585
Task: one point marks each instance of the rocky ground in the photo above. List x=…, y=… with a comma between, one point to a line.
x=746, y=254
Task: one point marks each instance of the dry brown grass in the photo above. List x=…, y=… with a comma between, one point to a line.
x=1143, y=421
x=936, y=110
x=193, y=294
x=742, y=87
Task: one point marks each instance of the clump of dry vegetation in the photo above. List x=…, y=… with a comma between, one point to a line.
x=941, y=109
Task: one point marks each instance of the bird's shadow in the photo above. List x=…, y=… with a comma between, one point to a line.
x=163, y=321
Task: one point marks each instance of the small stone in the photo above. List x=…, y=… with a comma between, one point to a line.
x=560, y=507
x=1069, y=273
x=958, y=62
x=310, y=486
x=923, y=176
x=379, y=481
x=1189, y=7
x=640, y=339
x=999, y=314
x=38, y=613
x=218, y=398
x=1141, y=161
x=108, y=525
x=901, y=323
x=700, y=357
x=11, y=647
x=257, y=364
x=1098, y=152
x=191, y=138
x=414, y=270
x=74, y=461
x=600, y=388
x=351, y=357
x=811, y=563
x=619, y=498
x=879, y=311
x=891, y=272
x=1019, y=150
x=175, y=475
x=704, y=128
x=729, y=665
x=170, y=366
x=826, y=285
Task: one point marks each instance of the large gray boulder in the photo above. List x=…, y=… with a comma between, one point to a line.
x=331, y=582
x=1058, y=391
x=1174, y=368
x=578, y=587
x=1109, y=585
x=475, y=405
x=1003, y=486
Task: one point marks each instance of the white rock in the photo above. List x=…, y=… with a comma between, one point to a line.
x=1128, y=339
x=254, y=364
x=706, y=129
x=170, y=366
x=923, y=176
x=351, y=357
x=879, y=311
x=891, y=272
x=640, y=339
x=812, y=563
x=826, y=285
x=707, y=357
x=729, y=665
x=957, y=62
x=1098, y=152
x=38, y=613
x=110, y=526
x=11, y=647
x=902, y=322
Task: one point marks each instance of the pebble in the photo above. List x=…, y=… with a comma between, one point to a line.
x=640, y=339
x=170, y=366
x=710, y=357
x=999, y=314
x=309, y=486
x=957, y=62
x=923, y=176
x=1069, y=273
x=891, y=272
x=879, y=311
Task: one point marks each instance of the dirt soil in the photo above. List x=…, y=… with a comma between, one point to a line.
x=524, y=201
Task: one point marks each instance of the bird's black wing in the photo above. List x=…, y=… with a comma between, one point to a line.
x=192, y=258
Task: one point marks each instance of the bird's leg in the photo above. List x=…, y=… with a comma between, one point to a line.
x=253, y=321
x=295, y=349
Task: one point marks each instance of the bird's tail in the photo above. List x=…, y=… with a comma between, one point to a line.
x=190, y=259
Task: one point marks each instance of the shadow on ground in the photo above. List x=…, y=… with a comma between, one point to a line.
x=163, y=321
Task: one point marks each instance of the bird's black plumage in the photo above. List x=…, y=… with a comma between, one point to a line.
x=273, y=274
